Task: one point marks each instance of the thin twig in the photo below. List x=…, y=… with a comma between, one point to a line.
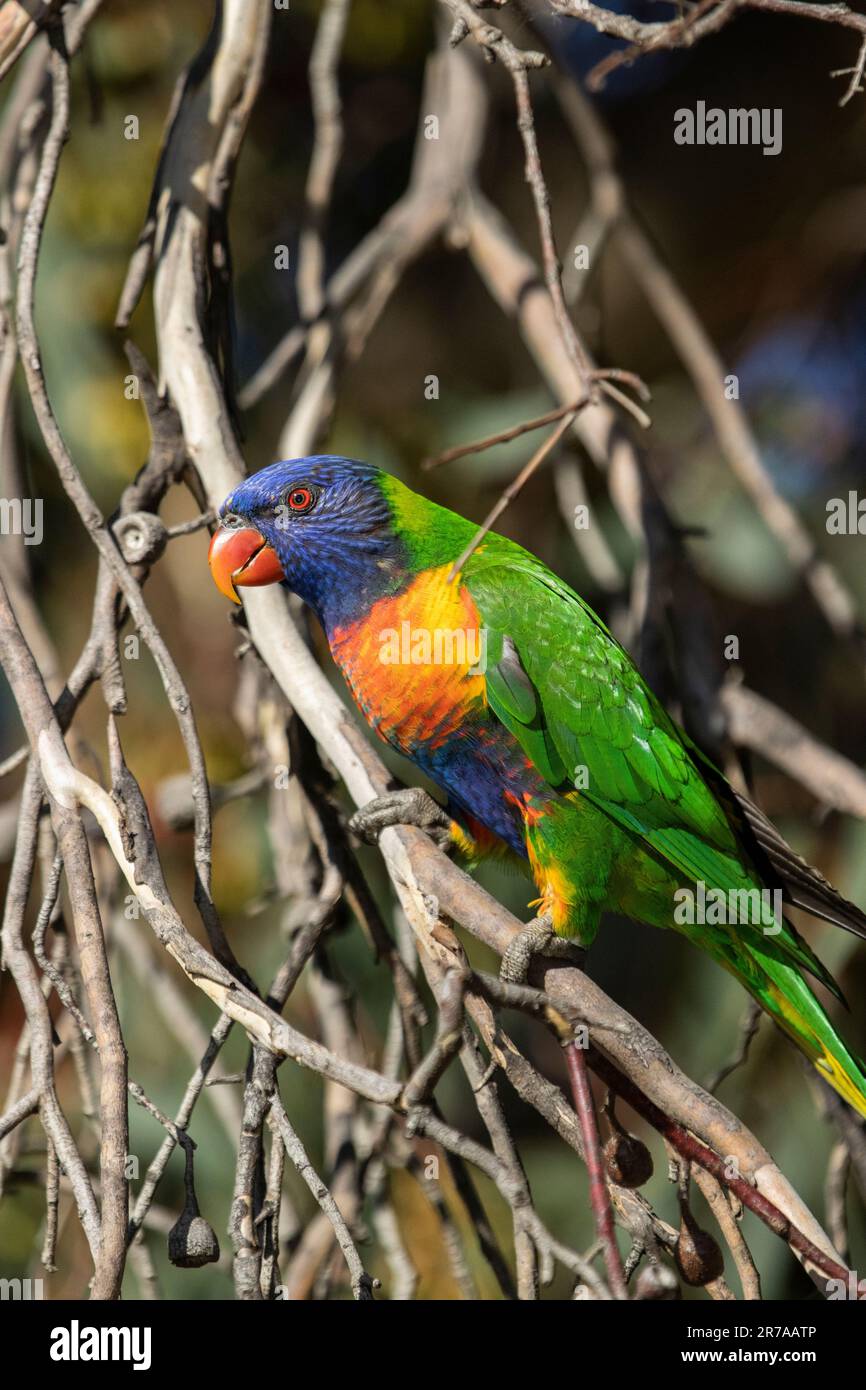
x=362, y=1284
x=548, y=418
x=575, y=1056
x=514, y=488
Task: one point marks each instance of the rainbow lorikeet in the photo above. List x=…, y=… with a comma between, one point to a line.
x=504, y=687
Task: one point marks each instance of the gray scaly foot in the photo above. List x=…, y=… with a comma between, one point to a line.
x=537, y=939
x=409, y=806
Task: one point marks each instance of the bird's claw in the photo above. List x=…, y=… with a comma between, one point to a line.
x=536, y=939
x=408, y=806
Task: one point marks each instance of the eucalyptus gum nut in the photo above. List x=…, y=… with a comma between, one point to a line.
x=697, y=1253
x=628, y=1160
x=657, y=1283
x=192, y=1241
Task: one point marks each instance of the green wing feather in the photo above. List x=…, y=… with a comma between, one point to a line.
x=512, y=695
x=579, y=702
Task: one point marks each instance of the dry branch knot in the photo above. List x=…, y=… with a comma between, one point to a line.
x=141, y=537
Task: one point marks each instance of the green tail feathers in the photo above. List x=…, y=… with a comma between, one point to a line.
x=781, y=990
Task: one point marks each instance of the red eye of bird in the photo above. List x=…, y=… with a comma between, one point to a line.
x=300, y=499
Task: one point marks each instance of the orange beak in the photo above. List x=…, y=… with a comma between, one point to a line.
x=240, y=559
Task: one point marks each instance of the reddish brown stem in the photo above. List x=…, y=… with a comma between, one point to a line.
x=575, y=1057
x=692, y=1148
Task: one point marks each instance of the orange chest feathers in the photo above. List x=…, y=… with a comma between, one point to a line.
x=415, y=662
